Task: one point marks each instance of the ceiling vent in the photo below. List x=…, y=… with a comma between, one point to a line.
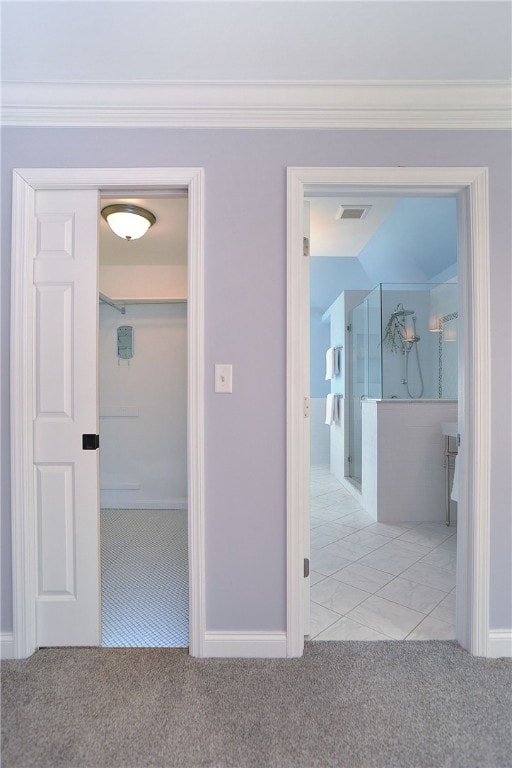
x=354, y=212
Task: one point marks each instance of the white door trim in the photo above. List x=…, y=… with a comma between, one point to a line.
x=25, y=183
x=470, y=185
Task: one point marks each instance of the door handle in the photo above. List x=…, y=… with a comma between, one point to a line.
x=90, y=442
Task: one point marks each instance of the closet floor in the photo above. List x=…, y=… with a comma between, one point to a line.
x=144, y=570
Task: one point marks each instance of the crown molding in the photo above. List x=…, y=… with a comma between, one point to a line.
x=394, y=105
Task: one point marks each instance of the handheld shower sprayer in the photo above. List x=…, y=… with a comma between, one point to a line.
x=398, y=339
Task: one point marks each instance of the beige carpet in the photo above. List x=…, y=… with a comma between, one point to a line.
x=359, y=705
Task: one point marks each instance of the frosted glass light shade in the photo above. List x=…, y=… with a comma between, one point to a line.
x=434, y=324
x=128, y=221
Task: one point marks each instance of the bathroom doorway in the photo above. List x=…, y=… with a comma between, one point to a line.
x=382, y=557
x=466, y=184
x=143, y=425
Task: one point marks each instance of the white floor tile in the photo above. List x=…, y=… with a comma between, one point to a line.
x=390, y=530
x=320, y=619
x=315, y=577
x=327, y=563
x=367, y=540
x=389, y=562
x=424, y=573
x=344, y=549
x=357, y=519
x=442, y=558
x=433, y=629
x=346, y=629
x=320, y=540
x=363, y=577
x=449, y=544
x=445, y=611
x=412, y=595
x=400, y=545
x=386, y=617
x=390, y=575
x=337, y=596
x=422, y=535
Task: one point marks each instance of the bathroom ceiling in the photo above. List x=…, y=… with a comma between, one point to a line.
x=165, y=243
x=344, y=237
x=406, y=240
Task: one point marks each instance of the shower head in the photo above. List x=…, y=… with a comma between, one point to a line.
x=403, y=312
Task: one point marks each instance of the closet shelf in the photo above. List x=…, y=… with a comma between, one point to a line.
x=120, y=303
x=151, y=301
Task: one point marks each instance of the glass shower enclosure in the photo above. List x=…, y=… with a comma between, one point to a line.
x=403, y=345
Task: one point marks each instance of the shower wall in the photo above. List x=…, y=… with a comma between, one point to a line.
x=143, y=408
x=393, y=362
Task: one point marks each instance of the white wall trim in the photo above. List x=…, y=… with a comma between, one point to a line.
x=371, y=104
x=471, y=187
x=6, y=646
x=25, y=183
x=499, y=643
x=263, y=645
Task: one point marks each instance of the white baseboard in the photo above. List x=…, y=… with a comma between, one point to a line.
x=499, y=643
x=166, y=504
x=262, y=645
x=6, y=645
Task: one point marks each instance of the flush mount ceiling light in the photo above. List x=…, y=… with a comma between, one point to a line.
x=128, y=221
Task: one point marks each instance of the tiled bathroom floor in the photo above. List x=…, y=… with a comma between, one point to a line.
x=377, y=581
x=144, y=572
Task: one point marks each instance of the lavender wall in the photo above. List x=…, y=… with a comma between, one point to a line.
x=245, y=275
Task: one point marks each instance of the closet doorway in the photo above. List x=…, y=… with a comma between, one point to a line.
x=142, y=355
x=55, y=534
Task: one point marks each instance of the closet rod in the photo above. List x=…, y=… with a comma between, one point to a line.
x=108, y=301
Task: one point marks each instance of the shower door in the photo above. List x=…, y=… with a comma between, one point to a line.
x=365, y=373
x=358, y=388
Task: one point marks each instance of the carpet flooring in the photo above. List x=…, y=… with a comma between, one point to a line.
x=354, y=704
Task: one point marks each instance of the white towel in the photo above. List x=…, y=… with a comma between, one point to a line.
x=455, y=483
x=331, y=363
x=331, y=409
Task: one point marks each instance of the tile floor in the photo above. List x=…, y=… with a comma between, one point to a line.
x=377, y=581
x=144, y=573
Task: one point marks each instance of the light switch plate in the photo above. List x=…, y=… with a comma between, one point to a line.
x=223, y=378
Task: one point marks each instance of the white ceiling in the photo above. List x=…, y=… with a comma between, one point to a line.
x=332, y=237
x=306, y=40
x=165, y=243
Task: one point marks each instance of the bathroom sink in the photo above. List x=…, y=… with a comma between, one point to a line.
x=449, y=428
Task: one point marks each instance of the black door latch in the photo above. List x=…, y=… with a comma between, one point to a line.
x=90, y=442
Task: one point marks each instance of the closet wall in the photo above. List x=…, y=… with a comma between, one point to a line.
x=143, y=408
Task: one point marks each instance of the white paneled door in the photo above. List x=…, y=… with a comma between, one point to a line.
x=65, y=409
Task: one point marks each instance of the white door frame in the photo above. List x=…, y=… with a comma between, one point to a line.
x=26, y=182
x=470, y=186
